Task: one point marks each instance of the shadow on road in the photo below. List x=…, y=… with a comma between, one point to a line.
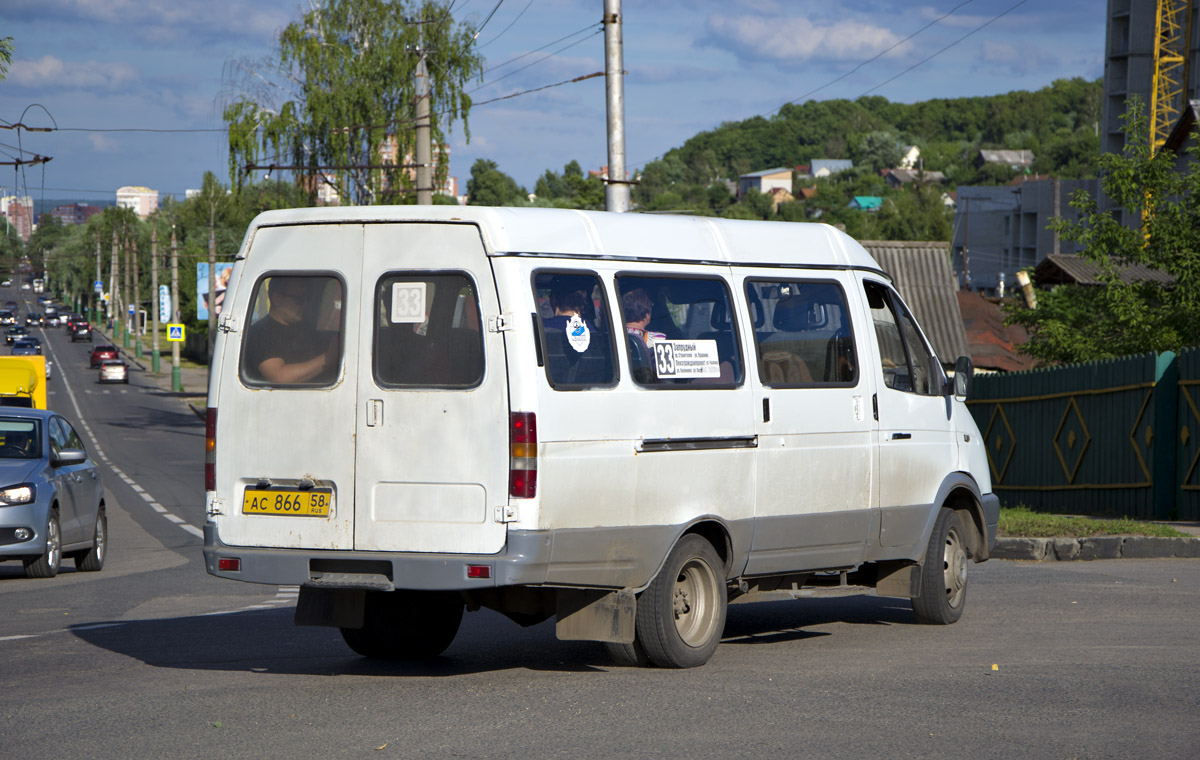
x=266, y=641
x=142, y=418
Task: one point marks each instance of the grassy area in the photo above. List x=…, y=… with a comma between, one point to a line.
x=1022, y=522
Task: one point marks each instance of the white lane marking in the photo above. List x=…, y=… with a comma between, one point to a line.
x=100, y=452
x=15, y=638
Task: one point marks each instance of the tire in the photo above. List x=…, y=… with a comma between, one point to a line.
x=92, y=560
x=627, y=655
x=48, y=564
x=944, y=573
x=681, y=615
x=406, y=625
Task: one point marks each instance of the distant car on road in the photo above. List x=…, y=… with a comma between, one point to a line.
x=114, y=371
x=80, y=330
x=8, y=317
x=51, y=496
x=34, y=319
x=13, y=332
x=101, y=352
x=51, y=320
x=27, y=347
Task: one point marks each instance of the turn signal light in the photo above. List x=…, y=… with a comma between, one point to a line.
x=522, y=455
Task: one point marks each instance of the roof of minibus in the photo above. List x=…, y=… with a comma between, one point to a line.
x=603, y=234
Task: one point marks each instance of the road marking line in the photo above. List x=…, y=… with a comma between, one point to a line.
x=100, y=453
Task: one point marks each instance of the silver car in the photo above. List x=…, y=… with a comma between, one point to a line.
x=51, y=496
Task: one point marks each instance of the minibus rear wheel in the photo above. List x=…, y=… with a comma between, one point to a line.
x=943, y=573
x=406, y=625
x=681, y=615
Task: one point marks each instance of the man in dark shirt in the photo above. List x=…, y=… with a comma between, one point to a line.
x=285, y=348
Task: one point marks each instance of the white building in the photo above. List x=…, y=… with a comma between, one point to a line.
x=142, y=200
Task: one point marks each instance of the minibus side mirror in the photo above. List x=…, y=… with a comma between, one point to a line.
x=963, y=369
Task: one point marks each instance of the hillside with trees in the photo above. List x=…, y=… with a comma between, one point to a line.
x=1058, y=123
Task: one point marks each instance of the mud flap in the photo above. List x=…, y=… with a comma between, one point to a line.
x=898, y=580
x=594, y=615
x=335, y=608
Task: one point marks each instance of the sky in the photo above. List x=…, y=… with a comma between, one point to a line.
x=100, y=68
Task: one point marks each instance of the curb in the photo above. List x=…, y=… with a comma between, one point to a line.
x=1102, y=547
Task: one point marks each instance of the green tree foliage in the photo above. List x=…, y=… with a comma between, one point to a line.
x=6, y=51
x=488, y=186
x=877, y=150
x=1075, y=322
x=343, y=83
x=570, y=189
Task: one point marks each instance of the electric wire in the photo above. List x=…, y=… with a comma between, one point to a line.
x=540, y=60
x=505, y=29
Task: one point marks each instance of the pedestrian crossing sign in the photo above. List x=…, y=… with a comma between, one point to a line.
x=175, y=332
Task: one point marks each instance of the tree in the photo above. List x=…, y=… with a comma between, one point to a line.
x=344, y=83
x=488, y=186
x=877, y=150
x=6, y=51
x=1076, y=322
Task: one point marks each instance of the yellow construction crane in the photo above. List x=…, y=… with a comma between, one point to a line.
x=1172, y=35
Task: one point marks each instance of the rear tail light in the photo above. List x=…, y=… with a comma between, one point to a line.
x=522, y=450
x=229, y=564
x=210, y=449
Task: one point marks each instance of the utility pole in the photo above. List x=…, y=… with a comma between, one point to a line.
x=125, y=298
x=212, y=280
x=616, y=191
x=424, y=150
x=154, y=297
x=136, y=303
x=176, y=384
x=95, y=295
x=112, y=283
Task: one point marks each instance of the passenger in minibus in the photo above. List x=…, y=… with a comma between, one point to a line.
x=636, y=306
x=283, y=347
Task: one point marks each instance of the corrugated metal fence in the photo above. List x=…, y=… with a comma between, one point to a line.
x=1119, y=437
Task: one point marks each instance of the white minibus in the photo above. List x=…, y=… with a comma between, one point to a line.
x=619, y=421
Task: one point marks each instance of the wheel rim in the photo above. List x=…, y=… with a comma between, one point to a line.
x=101, y=537
x=695, y=602
x=954, y=568
x=53, y=545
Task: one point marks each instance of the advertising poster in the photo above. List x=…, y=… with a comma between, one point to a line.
x=203, y=302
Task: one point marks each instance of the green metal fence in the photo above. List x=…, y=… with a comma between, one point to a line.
x=1187, y=452
x=1117, y=437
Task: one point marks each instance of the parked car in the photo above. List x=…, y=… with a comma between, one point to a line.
x=114, y=371
x=27, y=347
x=14, y=332
x=43, y=464
x=80, y=330
x=102, y=352
x=34, y=319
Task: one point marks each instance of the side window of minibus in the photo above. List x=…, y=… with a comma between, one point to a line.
x=903, y=354
x=427, y=331
x=294, y=337
x=576, y=330
x=680, y=331
x=802, y=333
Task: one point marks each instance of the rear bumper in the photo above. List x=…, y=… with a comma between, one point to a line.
x=524, y=561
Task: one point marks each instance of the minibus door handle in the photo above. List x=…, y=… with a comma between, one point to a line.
x=374, y=412
x=901, y=436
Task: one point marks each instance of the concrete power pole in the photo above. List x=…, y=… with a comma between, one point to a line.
x=112, y=282
x=176, y=384
x=424, y=148
x=616, y=192
x=136, y=303
x=95, y=295
x=212, y=281
x=124, y=315
x=154, y=297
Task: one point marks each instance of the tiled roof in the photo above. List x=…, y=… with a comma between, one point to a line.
x=921, y=271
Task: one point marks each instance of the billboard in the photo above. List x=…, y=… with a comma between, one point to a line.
x=202, y=300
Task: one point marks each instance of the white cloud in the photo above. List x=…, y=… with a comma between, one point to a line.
x=162, y=20
x=796, y=40
x=102, y=144
x=49, y=71
x=1020, y=60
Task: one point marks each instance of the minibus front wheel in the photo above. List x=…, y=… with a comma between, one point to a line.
x=406, y=625
x=943, y=573
x=681, y=615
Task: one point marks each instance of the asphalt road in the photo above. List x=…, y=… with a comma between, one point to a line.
x=153, y=658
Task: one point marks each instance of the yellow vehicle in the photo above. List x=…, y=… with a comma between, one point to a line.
x=23, y=381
